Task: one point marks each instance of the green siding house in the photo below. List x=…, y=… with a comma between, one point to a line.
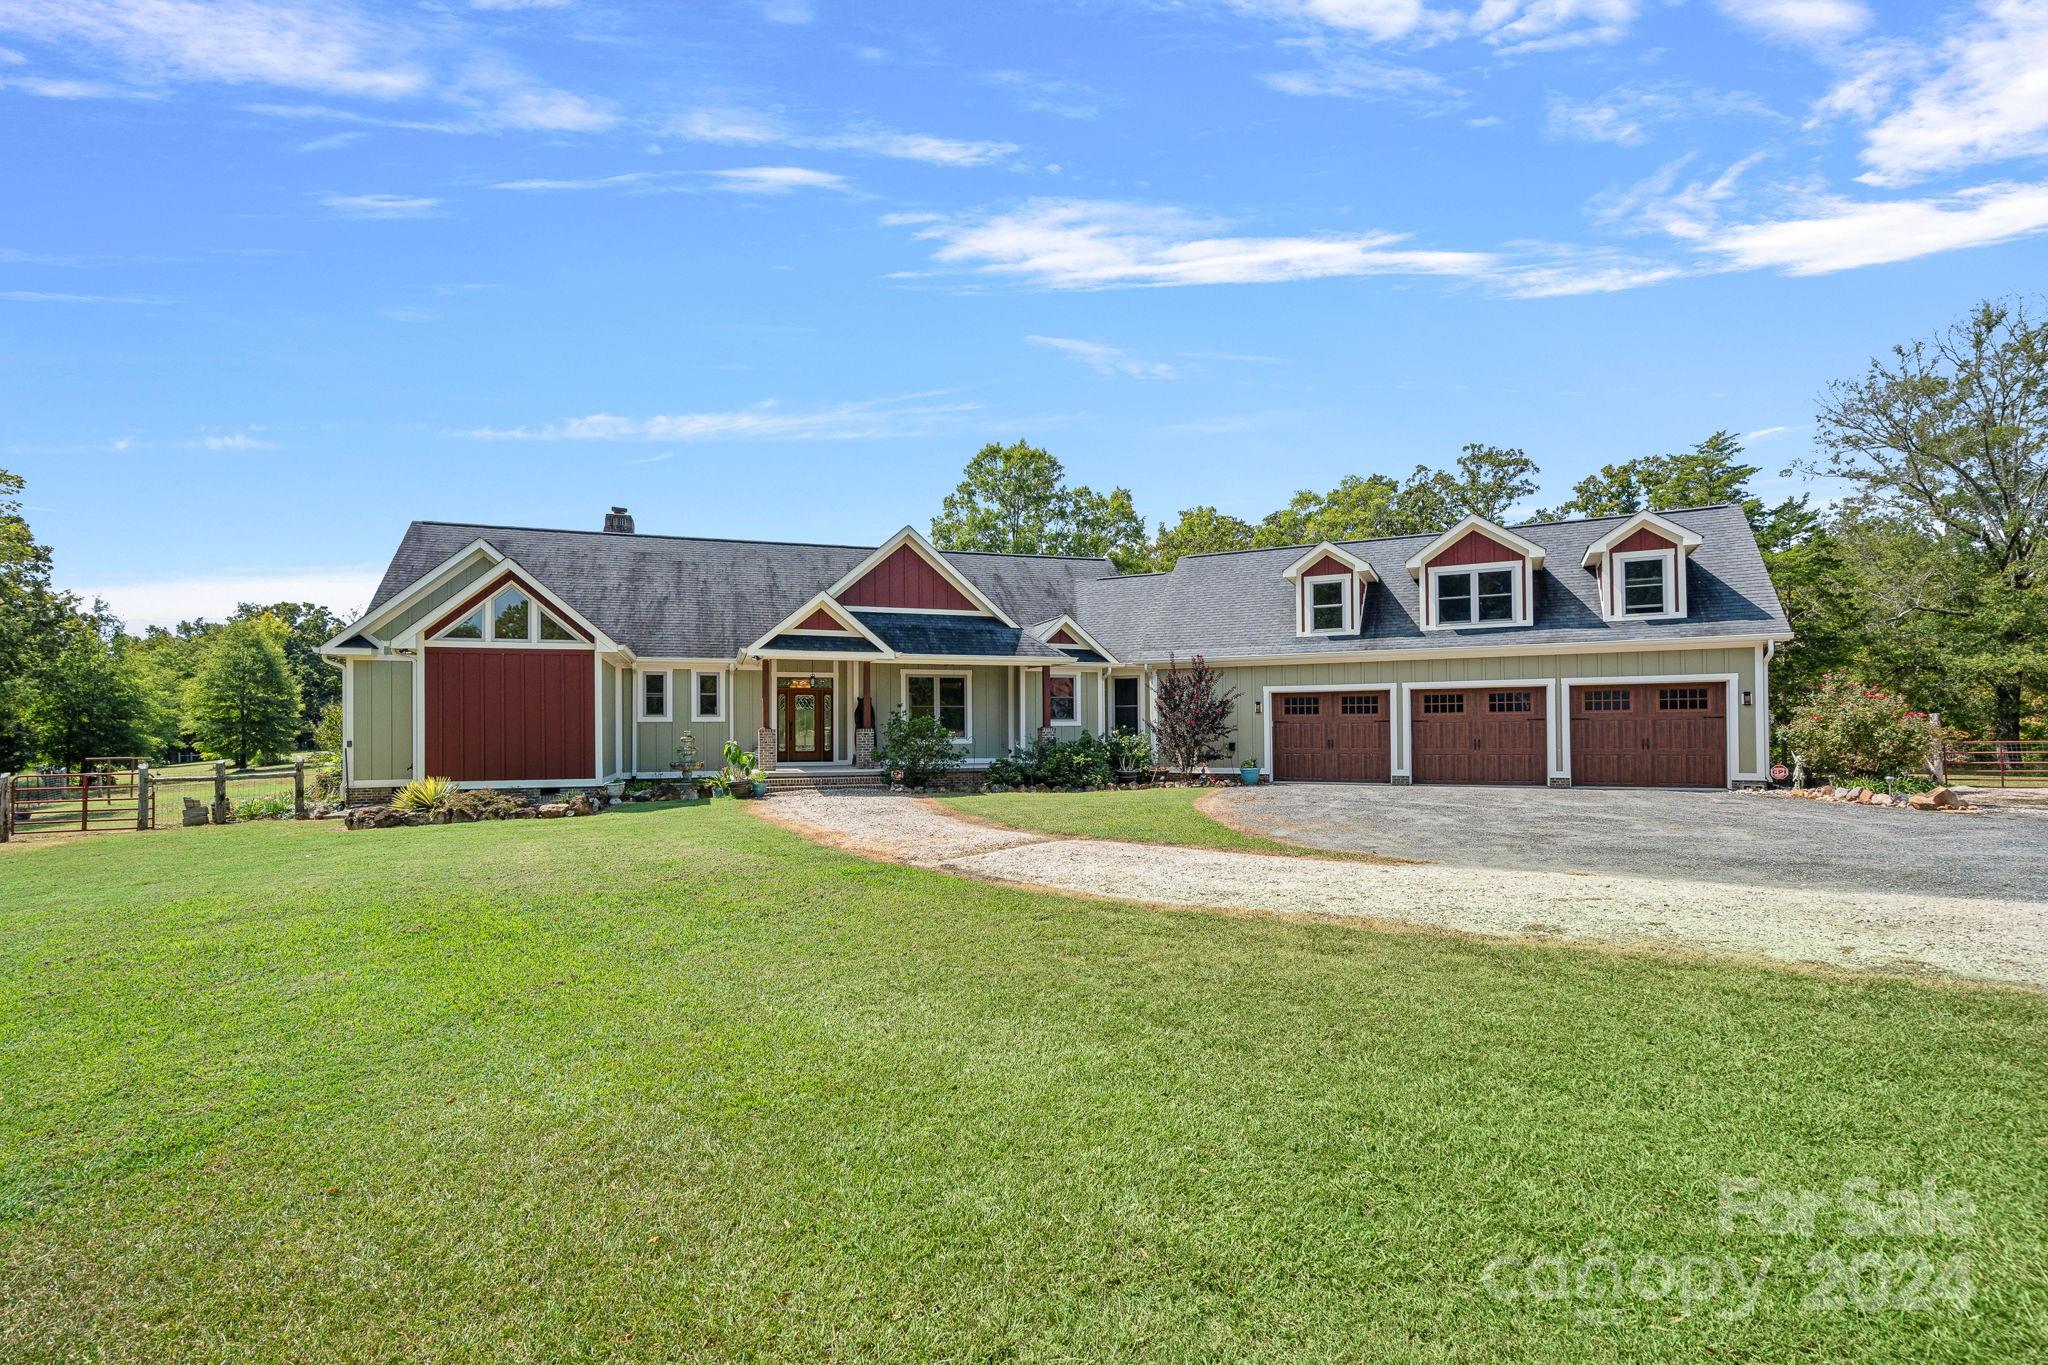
x=1621, y=651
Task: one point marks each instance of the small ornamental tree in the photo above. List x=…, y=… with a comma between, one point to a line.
x=917, y=746
x=1847, y=729
x=1191, y=715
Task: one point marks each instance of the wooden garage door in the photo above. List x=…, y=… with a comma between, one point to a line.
x=1488, y=735
x=510, y=715
x=1330, y=737
x=1650, y=735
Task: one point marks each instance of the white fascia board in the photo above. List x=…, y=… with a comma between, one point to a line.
x=604, y=643
x=1043, y=634
x=1344, y=557
x=419, y=587
x=1686, y=540
x=822, y=602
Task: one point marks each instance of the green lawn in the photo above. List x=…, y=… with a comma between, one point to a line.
x=1146, y=815
x=671, y=1083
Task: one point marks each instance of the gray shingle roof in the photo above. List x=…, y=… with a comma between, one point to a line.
x=690, y=597
x=1237, y=605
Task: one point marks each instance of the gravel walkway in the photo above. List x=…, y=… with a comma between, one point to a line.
x=1986, y=939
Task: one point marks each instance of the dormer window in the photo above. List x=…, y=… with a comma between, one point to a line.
x=1477, y=595
x=1329, y=605
x=1645, y=583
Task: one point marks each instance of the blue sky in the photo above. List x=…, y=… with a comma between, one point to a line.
x=278, y=275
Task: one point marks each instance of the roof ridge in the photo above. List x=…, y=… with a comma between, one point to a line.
x=627, y=537
x=1425, y=535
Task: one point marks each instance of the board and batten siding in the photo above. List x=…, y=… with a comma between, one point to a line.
x=380, y=720
x=459, y=583
x=608, y=727
x=991, y=703
x=1250, y=681
x=657, y=739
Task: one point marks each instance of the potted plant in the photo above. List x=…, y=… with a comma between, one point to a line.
x=742, y=774
x=1248, y=772
x=707, y=785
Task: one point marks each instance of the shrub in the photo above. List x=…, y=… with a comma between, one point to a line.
x=1007, y=771
x=1080, y=764
x=263, y=808
x=324, y=777
x=1130, y=751
x=1847, y=729
x=424, y=796
x=1191, y=714
x=918, y=747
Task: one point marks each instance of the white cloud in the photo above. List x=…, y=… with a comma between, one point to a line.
x=1987, y=100
x=1629, y=115
x=233, y=440
x=519, y=4
x=1106, y=359
x=380, y=205
x=316, y=45
x=40, y=296
x=1381, y=19
x=602, y=182
x=787, y=11
x=776, y=179
x=881, y=419
x=332, y=142
x=1763, y=434
x=1350, y=76
x=67, y=88
x=1548, y=25
x=344, y=588
x=1511, y=25
x=1841, y=234
x=1800, y=21
x=1049, y=95
x=739, y=127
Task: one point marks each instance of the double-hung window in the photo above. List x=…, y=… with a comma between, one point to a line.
x=1329, y=605
x=1062, y=692
x=1124, y=704
x=942, y=696
x=707, y=696
x=1476, y=596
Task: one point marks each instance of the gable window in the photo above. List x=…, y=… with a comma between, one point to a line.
x=707, y=696
x=1481, y=595
x=1329, y=605
x=943, y=696
x=1124, y=704
x=654, y=694
x=470, y=627
x=512, y=617
x=1062, y=694
x=1646, y=583
x=551, y=629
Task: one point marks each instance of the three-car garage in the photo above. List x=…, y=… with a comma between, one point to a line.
x=1661, y=733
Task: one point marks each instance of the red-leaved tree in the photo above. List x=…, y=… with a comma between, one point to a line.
x=1191, y=715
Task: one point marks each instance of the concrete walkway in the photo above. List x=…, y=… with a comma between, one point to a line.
x=1986, y=939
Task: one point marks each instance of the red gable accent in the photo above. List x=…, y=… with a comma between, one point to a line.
x=819, y=620
x=1063, y=636
x=906, y=579
x=1643, y=539
x=1475, y=547
x=1326, y=567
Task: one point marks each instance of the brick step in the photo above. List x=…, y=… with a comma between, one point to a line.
x=824, y=781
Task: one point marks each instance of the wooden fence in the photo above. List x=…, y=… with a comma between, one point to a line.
x=1995, y=763
x=99, y=800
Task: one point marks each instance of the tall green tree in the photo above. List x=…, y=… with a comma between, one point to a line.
x=1948, y=438
x=1360, y=507
x=85, y=702
x=307, y=627
x=33, y=617
x=1484, y=480
x=1015, y=499
x=243, y=702
x=1200, y=531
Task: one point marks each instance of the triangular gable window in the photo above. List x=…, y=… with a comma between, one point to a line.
x=551, y=629
x=470, y=627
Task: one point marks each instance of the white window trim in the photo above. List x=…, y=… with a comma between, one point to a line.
x=1617, y=586
x=697, y=676
x=1519, y=604
x=1109, y=683
x=668, y=694
x=485, y=610
x=1076, y=722
x=1347, y=585
x=965, y=739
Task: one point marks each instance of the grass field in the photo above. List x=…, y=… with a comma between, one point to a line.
x=671, y=1083
x=1145, y=815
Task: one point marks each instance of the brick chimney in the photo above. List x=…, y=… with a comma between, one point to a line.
x=619, y=521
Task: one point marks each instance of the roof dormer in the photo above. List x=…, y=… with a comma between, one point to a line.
x=1476, y=576
x=1641, y=568
x=1329, y=591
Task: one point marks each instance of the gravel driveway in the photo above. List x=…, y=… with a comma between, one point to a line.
x=1991, y=939
x=1733, y=838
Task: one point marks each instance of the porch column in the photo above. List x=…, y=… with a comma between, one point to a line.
x=864, y=717
x=764, y=738
x=1044, y=705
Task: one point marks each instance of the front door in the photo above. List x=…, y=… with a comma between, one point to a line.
x=803, y=732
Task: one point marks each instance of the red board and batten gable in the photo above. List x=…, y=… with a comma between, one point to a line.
x=820, y=620
x=510, y=715
x=1063, y=636
x=1477, y=547
x=1642, y=538
x=906, y=580
x=1327, y=567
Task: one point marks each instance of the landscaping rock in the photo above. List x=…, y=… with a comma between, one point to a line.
x=523, y=813
x=195, y=812
x=554, y=810
x=379, y=817
x=579, y=804
x=1944, y=799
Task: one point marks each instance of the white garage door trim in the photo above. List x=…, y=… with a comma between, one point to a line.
x=1550, y=730
x=1266, y=716
x=1733, y=705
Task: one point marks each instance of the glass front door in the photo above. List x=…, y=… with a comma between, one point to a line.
x=804, y=721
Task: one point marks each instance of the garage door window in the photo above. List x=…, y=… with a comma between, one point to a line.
x=1444, y=704
x=1681, y=699
x=1607, y=699
x=1301, y=706
x=1359, y=704
x=1505, y=702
